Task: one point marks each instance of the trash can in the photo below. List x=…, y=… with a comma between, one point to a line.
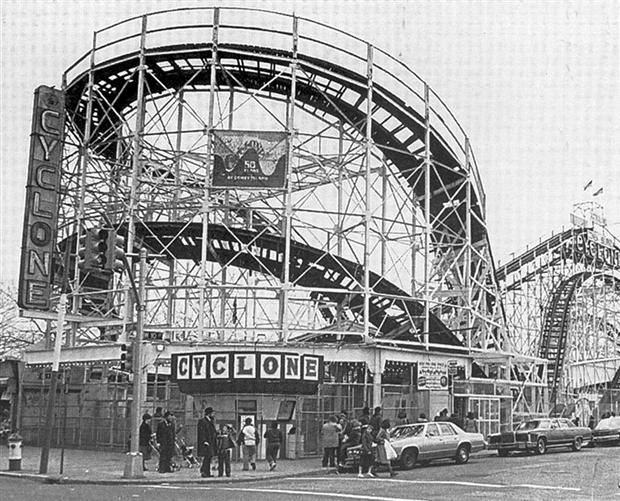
x=15, y=451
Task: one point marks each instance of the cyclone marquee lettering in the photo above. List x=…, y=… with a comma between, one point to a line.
x=41, y=208
x=593, y=250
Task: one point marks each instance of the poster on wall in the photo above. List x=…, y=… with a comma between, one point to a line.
x=249, y=159
x=432, y=375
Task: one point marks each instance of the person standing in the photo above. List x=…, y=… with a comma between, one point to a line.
x=330, y=433
x=225, y=444
x=166, y=442
x=366, y=454
x=145, y=439
x=469, y=424
x=207, y=441
x=352, y=439
x=376, y=419
x=383, y=436
x=249, y=439
x=274, y=439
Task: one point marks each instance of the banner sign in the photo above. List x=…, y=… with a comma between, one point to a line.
x=41, y=212
x=249, y=159
x=594, y=252
x=432, y=375
x=256, y=372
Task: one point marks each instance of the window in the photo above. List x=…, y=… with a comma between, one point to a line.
x=432, y=430
x=446, y=429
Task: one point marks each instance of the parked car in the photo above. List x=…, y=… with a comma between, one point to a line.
x=607, y=431
x=425, y=442
x=539, y=434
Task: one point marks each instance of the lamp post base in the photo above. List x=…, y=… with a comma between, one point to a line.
x=133, y=465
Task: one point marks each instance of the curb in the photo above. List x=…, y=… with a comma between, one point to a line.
x=57, y=479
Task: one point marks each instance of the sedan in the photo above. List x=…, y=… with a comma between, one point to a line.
x=539, y=434
x=607, y=432
x=425, y=442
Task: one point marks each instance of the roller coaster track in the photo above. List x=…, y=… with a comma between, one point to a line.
x=310, y=267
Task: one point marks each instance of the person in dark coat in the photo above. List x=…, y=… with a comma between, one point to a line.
x=351, y=439
x=225, y=444
x=166, y=441
x=274, y=439
x=376, y=420
x=145, y=439
x=207, y=441
x=367, y=453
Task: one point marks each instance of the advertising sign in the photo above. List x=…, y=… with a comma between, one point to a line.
x=257, y=372
x=41, y=212
x=249, y=159
x=432, y=375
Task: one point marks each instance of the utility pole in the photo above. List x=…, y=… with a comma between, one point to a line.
x=133, y=463
x=51, y=400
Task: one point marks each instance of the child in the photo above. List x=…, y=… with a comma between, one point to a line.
x=225, y=443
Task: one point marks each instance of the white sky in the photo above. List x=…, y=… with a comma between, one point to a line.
x=535, y=84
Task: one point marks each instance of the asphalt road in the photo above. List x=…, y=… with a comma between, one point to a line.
x=589, y=474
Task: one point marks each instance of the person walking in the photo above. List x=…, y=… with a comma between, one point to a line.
x=469, y=424
x=367, y=453
x=166, y=442
x=383, y=441
x=330, y=434
x=249, y=440
x=145, y=439
x=207, y=440
x=225, y=444
x=274, y=439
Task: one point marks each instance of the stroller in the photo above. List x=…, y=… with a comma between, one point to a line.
x=186, y=452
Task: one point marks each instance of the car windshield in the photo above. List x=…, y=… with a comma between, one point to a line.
x=609, y=423
x=407, y=431
x=529, y=425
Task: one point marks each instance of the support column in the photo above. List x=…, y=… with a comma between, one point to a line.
x=288, y=202
x=377, y=378
x=427, y=215
x=468, y=244
x=368, y=205
x=207, y=177
x=340, y=217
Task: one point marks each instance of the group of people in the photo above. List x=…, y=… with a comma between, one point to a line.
x=339, y=434
x=213, y=441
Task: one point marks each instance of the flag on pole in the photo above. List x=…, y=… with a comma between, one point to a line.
x=597, y=192
x=588, y=185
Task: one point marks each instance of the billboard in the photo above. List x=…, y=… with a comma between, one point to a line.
x=432, y=375
x=249, y=159
x=41, y=211
x=253, y=372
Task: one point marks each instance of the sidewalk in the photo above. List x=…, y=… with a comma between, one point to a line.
x=104, y=467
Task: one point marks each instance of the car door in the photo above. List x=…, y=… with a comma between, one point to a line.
x=556, y=433
x=432, y=442
x=449, y=440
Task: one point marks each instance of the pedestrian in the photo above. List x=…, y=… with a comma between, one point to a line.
x=422, y=418
x=401, y=417
x=470, y=425
x=455, y=419
x=207, y=440
x=365, y=416
x=591, y=422
x=157, y=418
x=442, y=416
x=383, y=443
x=330, y=434
x=166, y=442
x=366, y=452
x=248, y=437
x=273, y=438
x=351, y=439
x=145, y=439
x=376, y=419
x=225, y=444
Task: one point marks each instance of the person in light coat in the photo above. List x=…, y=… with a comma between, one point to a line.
x=330, y=436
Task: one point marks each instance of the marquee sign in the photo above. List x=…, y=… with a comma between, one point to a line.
x=596, y=251
x=249, y=159
x=41, y=212
x=252, y=372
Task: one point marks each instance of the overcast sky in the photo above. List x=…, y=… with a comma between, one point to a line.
x=535, y=84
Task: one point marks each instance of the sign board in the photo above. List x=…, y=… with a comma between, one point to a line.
x=432, y=375
x=249, y=159
x=256, y=372
x=41, y=209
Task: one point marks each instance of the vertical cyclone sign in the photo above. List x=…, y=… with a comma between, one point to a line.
x=41, y=211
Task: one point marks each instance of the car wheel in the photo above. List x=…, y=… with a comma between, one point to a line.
x=578, y=442
x=503, y=452
x=409, y=459
x=462, y=454
x=541, y=446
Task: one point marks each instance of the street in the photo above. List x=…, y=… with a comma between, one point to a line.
x=559, y=475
